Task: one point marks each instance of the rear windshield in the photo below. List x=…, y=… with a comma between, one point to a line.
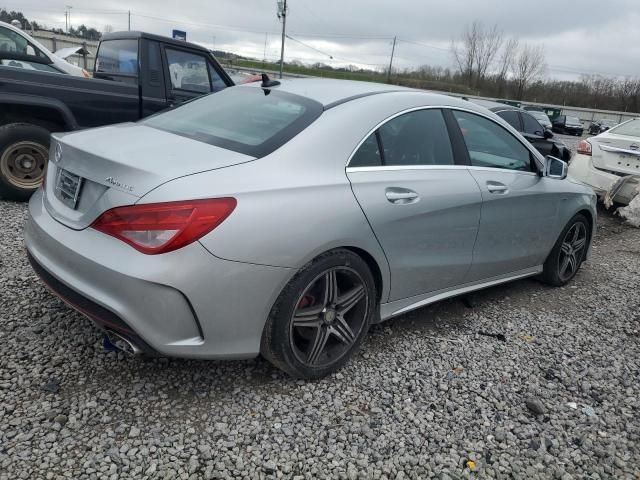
x=630, y=128
x=247, y=120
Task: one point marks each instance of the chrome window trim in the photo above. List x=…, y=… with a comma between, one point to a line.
x=391, y=168
x=388, y=168
x=445, y=107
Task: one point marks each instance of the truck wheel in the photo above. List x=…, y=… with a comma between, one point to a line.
x=24, y=151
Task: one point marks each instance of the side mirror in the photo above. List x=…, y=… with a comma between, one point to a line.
x=548, y=133
x=555, y=168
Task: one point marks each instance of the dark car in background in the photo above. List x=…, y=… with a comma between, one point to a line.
x=602, y=125
x=568, y=125
x=530, y=128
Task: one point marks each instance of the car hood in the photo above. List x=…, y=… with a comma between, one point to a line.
x=121, y=163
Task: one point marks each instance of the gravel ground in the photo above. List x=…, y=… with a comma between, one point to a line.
x=519, y=381
x=571, y=141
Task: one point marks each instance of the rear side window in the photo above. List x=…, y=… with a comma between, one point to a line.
x=511, y=117
x=490, y=145
x=247, y=120
x=531, y=125
x=416, y=138
x=368, y=155
x=119, y=57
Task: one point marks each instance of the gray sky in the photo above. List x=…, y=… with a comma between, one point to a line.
x=579, y=36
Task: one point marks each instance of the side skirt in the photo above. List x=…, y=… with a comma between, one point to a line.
x=398, y=307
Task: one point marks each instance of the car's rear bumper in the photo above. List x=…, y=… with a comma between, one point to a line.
x=186, y=303
x=582, y=168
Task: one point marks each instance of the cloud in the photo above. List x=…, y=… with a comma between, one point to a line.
x=585, y=37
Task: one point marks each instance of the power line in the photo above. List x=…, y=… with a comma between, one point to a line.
x=309, y=46
x=404, y=40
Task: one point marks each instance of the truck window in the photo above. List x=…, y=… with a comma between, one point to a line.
x=188, y=71
x=118, y=57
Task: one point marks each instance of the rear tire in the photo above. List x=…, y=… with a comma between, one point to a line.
x=321, y=317
x=24, y=152
x=568, y=253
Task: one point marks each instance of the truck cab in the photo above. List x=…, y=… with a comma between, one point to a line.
x=136, y=74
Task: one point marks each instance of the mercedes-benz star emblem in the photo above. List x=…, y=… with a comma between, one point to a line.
x=58, y=152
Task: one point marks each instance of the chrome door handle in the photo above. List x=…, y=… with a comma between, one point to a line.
x=401, y=195
x=497, y=188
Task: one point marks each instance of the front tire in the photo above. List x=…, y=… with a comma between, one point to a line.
x=24, y=152
x=568, y=253
x=321, y=316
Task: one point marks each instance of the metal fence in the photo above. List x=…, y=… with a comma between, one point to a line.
x=586, y=115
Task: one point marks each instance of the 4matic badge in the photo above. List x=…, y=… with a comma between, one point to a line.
x=118, y=184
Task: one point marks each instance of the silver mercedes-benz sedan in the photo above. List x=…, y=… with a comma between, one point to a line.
x=285, y=219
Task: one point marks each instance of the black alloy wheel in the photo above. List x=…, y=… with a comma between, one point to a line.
x=322, y=316
x=329, y=317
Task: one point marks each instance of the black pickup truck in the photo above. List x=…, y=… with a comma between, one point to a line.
x=136, y=74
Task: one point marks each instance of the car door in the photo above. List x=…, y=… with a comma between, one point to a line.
x=422, y=203
x=533, y=131
x=519, y=210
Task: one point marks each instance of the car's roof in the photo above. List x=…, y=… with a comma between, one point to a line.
x=332, y=92
x=494, y=106
x=150, y=36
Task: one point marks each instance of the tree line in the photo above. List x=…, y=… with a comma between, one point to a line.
x=87, y=33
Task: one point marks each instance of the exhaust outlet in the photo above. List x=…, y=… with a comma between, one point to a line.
x=114, y=341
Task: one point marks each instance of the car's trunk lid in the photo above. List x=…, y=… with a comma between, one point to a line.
x=617, y=153
x=92, y=171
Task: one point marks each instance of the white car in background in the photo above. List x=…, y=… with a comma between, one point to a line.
x=16, y=47
x=610, y=162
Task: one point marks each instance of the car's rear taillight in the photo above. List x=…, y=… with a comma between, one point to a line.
x=163, y=227
x=584, y=147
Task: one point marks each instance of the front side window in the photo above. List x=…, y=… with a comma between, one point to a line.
x=118, y=57
x=490, y=145
x=243, y=119
x=531, y=125
x=511, y=117
x=188, y=71
x=416, y=138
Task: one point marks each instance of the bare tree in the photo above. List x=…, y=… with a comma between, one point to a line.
x=528, y=64
x=475, y=52
x=489, y=44
x=505, y=64
x=465, y=51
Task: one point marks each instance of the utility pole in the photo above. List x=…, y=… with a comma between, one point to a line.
x=129, y=19
x=66, y=21
x=264, y=55
x=282, y=13
x=69, y=7
x=393, y=50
